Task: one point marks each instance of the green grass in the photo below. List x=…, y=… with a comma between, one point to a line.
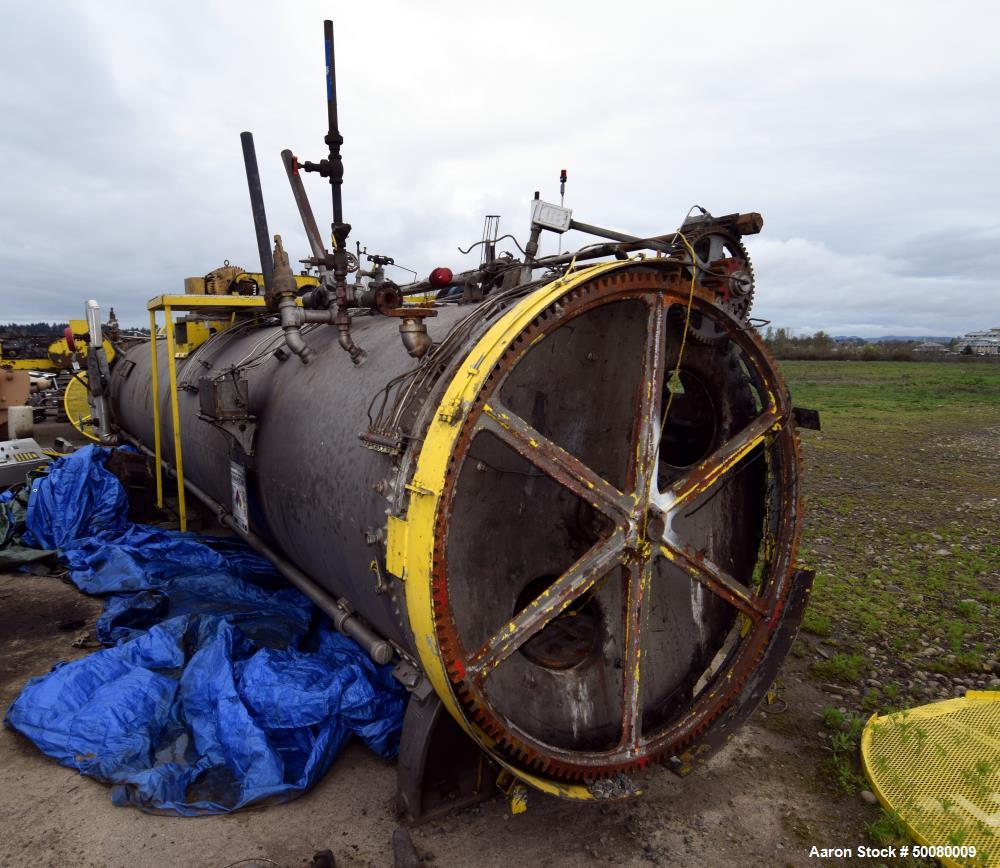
x=872, y=389
x=816, y=623
x=846, y=668
x=901, y=487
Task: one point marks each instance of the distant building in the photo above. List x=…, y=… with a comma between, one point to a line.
x=982, y=343
x=930, y=347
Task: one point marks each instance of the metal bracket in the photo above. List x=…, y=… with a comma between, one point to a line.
x=805, y=418
x=440, y=768
x=381, y=585
x=412, y=679
x=242, y=433
x=225, y=404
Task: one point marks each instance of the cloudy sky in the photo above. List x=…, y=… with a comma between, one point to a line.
x=865, y=133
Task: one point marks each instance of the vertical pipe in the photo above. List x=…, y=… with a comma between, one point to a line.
x=333, y=139
x=175, y=415
x=257, y=207
x=156, y=409
x=96, y=371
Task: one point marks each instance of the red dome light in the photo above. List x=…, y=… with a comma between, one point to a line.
x=440, y=278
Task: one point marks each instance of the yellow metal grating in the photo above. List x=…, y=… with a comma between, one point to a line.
x=77, y=406
x=938, y=768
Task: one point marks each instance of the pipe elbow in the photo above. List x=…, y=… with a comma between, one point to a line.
x=291, y=324
x=294, y=342
x=357, y=354
x=415, y=338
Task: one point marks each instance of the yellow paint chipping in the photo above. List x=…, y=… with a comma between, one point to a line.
x=411, y=540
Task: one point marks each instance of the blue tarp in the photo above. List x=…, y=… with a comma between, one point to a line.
x=224, y=686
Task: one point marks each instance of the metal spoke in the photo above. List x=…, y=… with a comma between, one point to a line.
x=717, y=580
x=725, y=458
x=578, y=579
x=553, y=460
x=640, y=579
x=646, y=440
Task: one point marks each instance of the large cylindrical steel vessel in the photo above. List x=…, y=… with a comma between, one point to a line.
x=587, y=533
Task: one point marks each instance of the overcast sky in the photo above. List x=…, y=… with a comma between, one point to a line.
x=865, y=133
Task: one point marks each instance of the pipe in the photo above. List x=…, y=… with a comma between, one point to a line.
x=305, y=209
x=332, y=169
x=257, y=207
x=343, y=323
x=601, y=232
x=382, y=298
x=291, y=325
x=97, y=372
x=282, y=299
x=413, y=331
x=597, y=251
x=333, y=137
x=339, y=610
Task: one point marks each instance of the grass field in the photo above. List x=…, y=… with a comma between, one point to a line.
x=902, y=509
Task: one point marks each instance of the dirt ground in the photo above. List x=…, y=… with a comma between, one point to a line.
x=763, y=800
x=756, y=802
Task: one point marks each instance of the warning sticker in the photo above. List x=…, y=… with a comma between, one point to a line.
x=239, y=481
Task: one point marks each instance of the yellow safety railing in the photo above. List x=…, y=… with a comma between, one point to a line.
x=224, y=305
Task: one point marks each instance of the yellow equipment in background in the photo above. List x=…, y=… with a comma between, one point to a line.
x=233, y=280
x=58, y=356
x=191, y=331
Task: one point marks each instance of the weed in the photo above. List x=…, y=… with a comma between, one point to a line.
x=956, y=838
x=967, y=609
x=840, y=768
x=816, y=623
x=887, y=828
x=896, y=525
x=833, y=718
x=846, y=668
x=970, y=661
x=840, y=774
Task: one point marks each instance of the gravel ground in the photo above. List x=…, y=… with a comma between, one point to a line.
x=757, y=801
x=885, y=500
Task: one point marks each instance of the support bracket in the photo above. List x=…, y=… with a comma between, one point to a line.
x=440, y=768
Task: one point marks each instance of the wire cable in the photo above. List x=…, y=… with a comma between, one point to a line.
x=675, y=374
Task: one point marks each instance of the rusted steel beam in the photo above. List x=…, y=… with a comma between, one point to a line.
x=553, y=460
x=579, y=579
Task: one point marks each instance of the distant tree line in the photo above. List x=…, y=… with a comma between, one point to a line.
x=33, y=329
x=783, y=344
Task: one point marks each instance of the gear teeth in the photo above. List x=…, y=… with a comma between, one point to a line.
x=507, y=741
x=741, y=307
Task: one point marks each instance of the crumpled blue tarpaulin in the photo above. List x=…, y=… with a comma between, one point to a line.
x=226, y=687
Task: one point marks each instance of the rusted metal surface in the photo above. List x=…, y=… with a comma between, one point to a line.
x=591, y=562
x=638, y=535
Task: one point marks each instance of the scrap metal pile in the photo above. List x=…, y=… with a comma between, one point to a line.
x=560, y=492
